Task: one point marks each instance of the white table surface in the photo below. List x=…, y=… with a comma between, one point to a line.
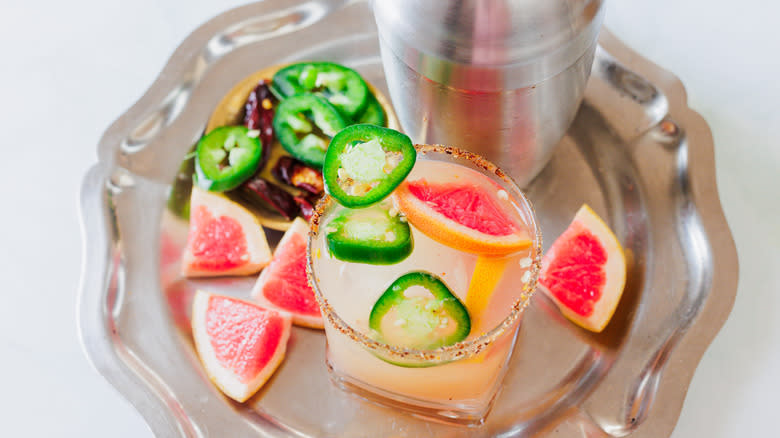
x=69, y=69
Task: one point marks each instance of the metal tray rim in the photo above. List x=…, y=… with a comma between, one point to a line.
x=686, y=355
x=94, y=311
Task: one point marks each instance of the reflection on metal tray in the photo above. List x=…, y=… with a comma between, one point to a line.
x=636, y=153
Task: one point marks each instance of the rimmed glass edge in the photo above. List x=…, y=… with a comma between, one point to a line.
x=460, y=350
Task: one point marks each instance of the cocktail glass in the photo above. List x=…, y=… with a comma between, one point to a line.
x=456, y=383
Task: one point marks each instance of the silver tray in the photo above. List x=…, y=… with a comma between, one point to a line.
x=636, y=153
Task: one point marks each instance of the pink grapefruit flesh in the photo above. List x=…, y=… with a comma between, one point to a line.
x=283, y=284
x=466, y=205
x=218, y=243
x=467, y=216
x=224, y=238
x=577, y=276
x=584, y=271
x=239, y=343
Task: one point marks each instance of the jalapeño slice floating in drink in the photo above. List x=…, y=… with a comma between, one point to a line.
x=419, y=311
x=369, y=235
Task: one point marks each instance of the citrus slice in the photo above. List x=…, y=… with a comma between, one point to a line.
x=283, y=284
x=239, y=344
x=224, y=238
x=464, y=215
x=584, y=271
x=487, y=273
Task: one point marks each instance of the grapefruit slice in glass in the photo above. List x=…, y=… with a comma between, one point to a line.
x=224, y=238
x=239, y=344
x=470, y=216
x=283, y=284
x=584, y=271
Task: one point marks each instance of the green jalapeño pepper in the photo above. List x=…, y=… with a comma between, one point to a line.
x=365, y=163
x=226, y=157
x=374, y=114
x=369, y=235
x=339, y=85
x=304, y=125
x=419, y=311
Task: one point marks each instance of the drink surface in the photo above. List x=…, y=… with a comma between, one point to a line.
x=352, y=288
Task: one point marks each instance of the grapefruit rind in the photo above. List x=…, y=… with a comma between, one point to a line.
x=488, y=272
x=299, y=227
x=222, y=377
x=449, y=232
x=259, y=254
x=614, y=269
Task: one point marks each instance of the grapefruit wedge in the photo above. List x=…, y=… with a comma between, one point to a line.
x=584, y=271
x=465, y=215
x=224, y=238
x=283, y=284
x=470, y=214
x=239, y=344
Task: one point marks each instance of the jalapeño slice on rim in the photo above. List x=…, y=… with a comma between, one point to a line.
x=365, y=163
x=369, y=235
x=304, y=125
x=343, y=87
x=226, y=157
x=419, y=311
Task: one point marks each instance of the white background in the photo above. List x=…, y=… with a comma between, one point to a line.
x=69, y=68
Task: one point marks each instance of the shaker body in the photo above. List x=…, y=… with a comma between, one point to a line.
x=510, y=110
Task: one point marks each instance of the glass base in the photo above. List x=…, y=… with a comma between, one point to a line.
x=464, y=414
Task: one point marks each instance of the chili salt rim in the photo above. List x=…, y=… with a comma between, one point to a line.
x=460, y=350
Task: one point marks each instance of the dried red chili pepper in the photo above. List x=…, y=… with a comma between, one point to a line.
x=263, y=193
x=306, y=205
x=259, y=115
x=299, y=175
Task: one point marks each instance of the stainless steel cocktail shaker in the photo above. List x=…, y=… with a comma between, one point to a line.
x=502, y=78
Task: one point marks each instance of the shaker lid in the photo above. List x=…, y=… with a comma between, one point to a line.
x=526, y=40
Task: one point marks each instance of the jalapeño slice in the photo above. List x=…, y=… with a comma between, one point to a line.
x=365, y=163
x=304, y=125
x=343, y=87
x=374, y=114
x=226, y=157
x=369, y=235
x=419, y=311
